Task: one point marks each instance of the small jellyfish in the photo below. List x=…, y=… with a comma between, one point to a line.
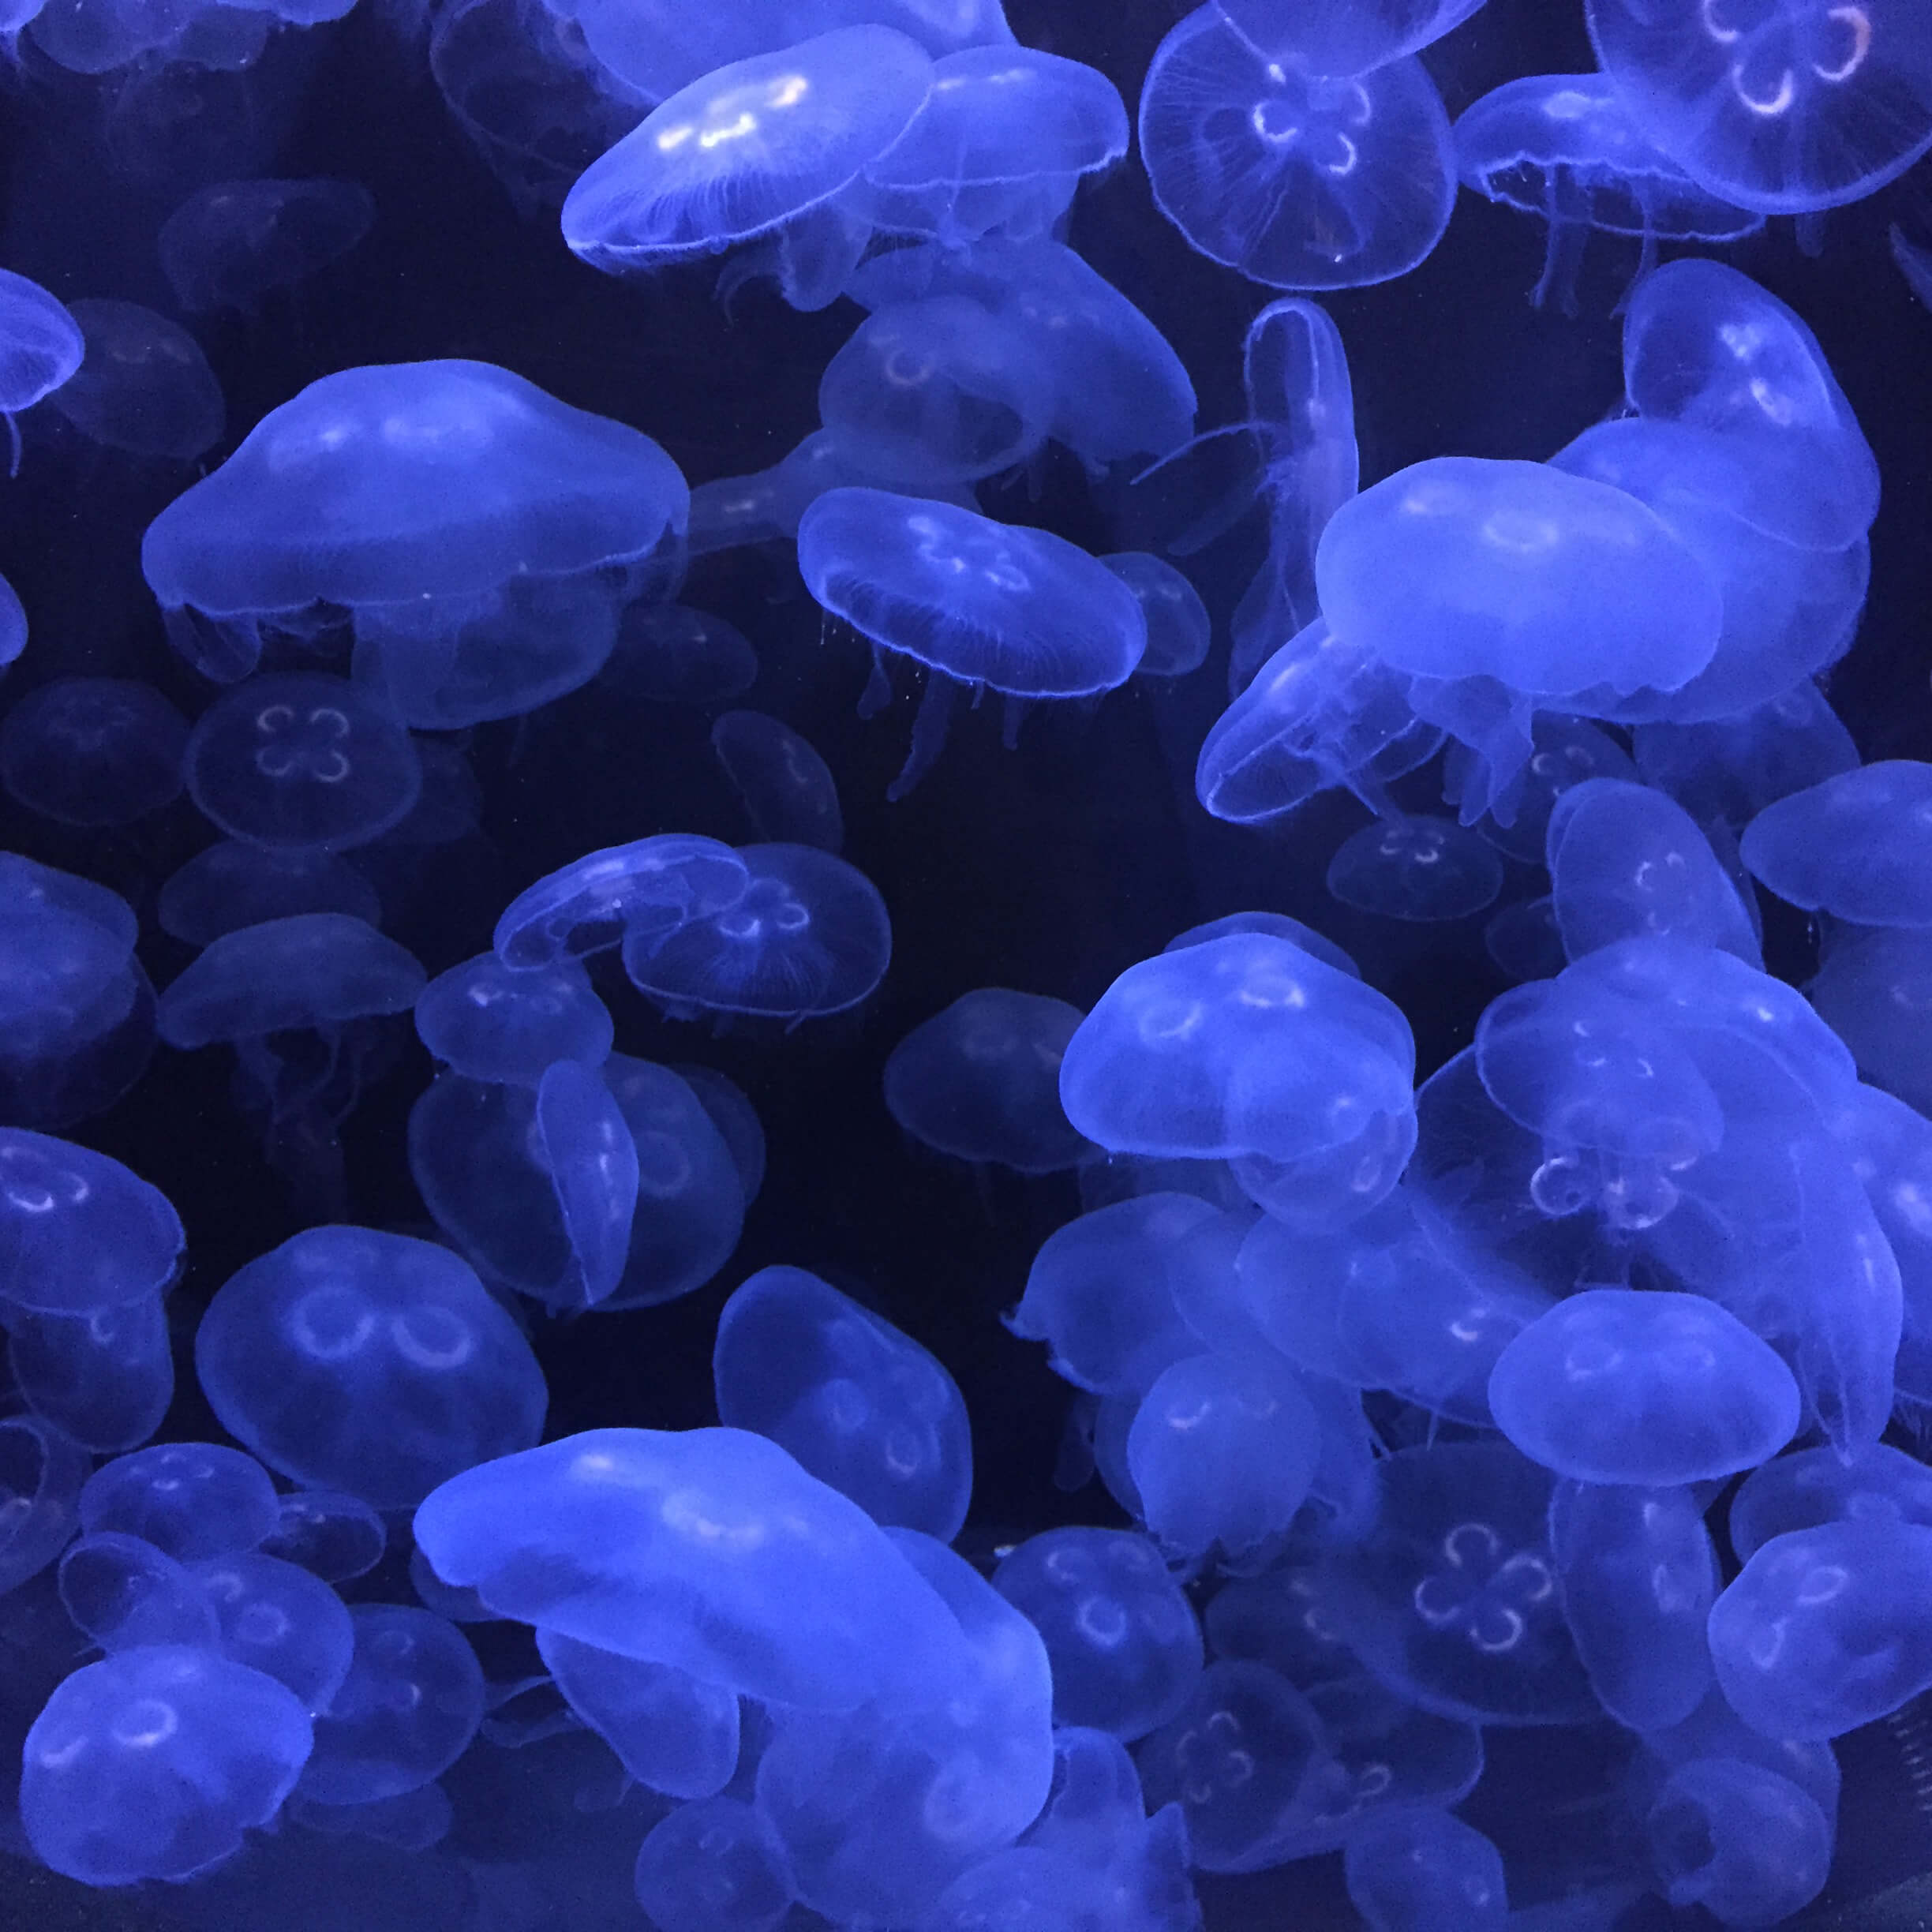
x=367, y=1362
x=300, y=762
x=981, y=1081
x=713, y=1865
x=1179, y=630
x=670, y=653
x=729, y=1109
x=104, y=1379
x=192, y=1500
x=977, y=603
x=144, y=386
x=1727, y=771
x=788, y=792
x=1874, y=991
x=331, y=1535
x=489, y=1023
x=1854, y=846
x=1751, y=1846
x=232, y=242
x=1877, y=1483
x=126, y=1594
x=41, y=1474
x=93, y=750
x=1420, y=868
x=152, y=1764
x=234, y=884
x=671, y=1732
x=40, y=347
x=1296, y=179
x=279, y=1618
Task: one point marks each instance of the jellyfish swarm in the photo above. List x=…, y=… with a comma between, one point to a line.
x=40, y=347
x=1564, y=147
x=979, y=604
x=476, y=536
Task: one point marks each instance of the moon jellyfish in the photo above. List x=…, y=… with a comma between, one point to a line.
x=1727, y=771
x=12, y=626
x=1343, y=37
x=673, y=1733
x=1752, y=1848
x=278, y=1618
x=300, y=762
x=331, y=1535
x=1786, y=105
x=41, y=1475
x=789, y=793
x=1565, y=147
x=713, y=1864
x=192, y=1500
x=232, y=242
x=981, y=1081
x=78, y=1231
x=1874, y=991
x=490, y=1024
x=669, y=653
x=104, y=1379
x=1425, y=868
x=1178, y=629
x=1813, y=1487
x=977, y=603
x=93, y=750
x=1277, y=925
x=234, y=884
x=861, y=1405
x=368, y=1362
x=144, y=385
x=760, y=150
x=1411, y=1867
x=728, y=1107
x=362, y=500
x=808, y=936
x=1293, y=178
x=1852, y=847
x=152, y=1764
x=40, y=347
x=126, y=1595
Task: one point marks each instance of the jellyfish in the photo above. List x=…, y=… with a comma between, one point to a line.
x=490, y=1024
x=76, y=1012
x=1565, y=147
x=1296, y=179
x=1423, y=868
x=466, y=603
x=125, y=1594
x=669, y=653
x=1178, y=629
x=191, y=1500
x=144, y=386
x=977, y=603
x=103, y=1379
x=93, y=750
x=1411, y=1867
x=301, y=762
x=232, y=242
x=40, y=347
x=808, y=937
x=1522, y=940
x=728, y=1108
x=1874, y=991
x=152, y=1763
x=1851, y=846
x=672, y=1732
x=330, y=1534
x=716, y=1862
x=42, y=1471
x=1750, y=1846
x=789, y=793
x=233, y=884
x=12, y=626
x=760, y=150
x=1812, y=1486
x=1789, y=107
x=278, y=1618
x=1343, y=37
x=981, y=1081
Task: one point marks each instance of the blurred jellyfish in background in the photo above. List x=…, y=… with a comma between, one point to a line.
x=231, y=243
x=669, y=653
x=144, y=386
x=93, y=751
x=789, y=793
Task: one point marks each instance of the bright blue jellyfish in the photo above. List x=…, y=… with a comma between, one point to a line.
x=1223, y=1451
x=1236, y=1760
x=710, y=1549
x=278, y=1618
x=1626, y=862
x=144, y=386
x=1178, y=629
x=301, y=762
x=1854, y=847
x=1621, y=1385
x=1123, y=1638
x=193, y=1500
x=1565, y=147
x=1414, y=1869
x=729, y=1110
x=406, y=1710
x=41, y=1473
x=1468, y=574
x=713, y=1866
x=981, y=1081
x=672, y=1732
x=1248, y=1050
x=1343, y=37
x=1750, y=1847
x=1279, y=926
x=931, y=395
x=1119, y=389
x=153, y=1763
x=234, y=884
x=232, y=242
x=1324, y=711
x=1452, y=1598
x=103, y=1379
x=1876, y=1483
x=762, y=150
x=367, y=1362
x=882, y=1807
x=1825, y=1629
x=1297, y=180
x=329, y=1533
x=12, y=625
x=999, y=147
x=1567, y=752
x=977, y=603
x=1726, y=772
x=1787, y=105
x=77, y=1013
x=1638, y=1577
x=787, y=790
x=93, y=750
x=40, y=347
x=78, y=1231
x=366, y=492
x=487, y=1023
x=1424, y=868
x=1705, y=346
x=669, y=653
x=125, y=1593
x=1874, y=991
x=808, y=936
x=859, y=1404
x=653, y=885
